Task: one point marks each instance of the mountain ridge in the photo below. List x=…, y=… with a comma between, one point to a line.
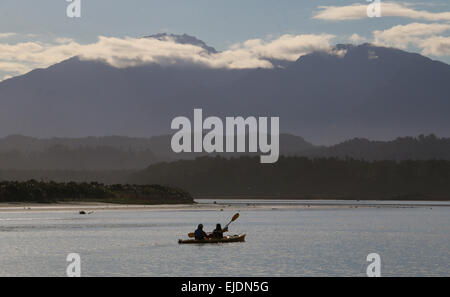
x=184, y=39
x=119, y=152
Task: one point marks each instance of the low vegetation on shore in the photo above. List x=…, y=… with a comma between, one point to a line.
x=53, y=192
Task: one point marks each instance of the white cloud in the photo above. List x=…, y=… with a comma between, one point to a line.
x=249, y=54
x=436, y=45
x=340, y=13
x=423, y=36
x=62, y=40
x=15, y=68
x=357, y=39
x=388, y=9
x=287, y=47
x=6, y=77
x=7, y=35
x=126, y=52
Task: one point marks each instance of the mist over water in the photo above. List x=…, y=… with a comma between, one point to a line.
x=300, y=242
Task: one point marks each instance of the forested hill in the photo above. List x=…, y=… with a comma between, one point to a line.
x=403, y=148
x=300, y=177
x=127, y=153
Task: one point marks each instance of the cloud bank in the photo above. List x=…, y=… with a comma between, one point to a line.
x=388, y=9
x=420, y=35
x=7, y=35
x=423, y=36
x=128, y=52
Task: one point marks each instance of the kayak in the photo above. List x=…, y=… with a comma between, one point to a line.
x=233, y=238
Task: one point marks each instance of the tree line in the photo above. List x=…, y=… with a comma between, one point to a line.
x=301, y=177
x=52, y=192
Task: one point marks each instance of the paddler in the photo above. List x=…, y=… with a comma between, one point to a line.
x=218, y=232
x=199, y=233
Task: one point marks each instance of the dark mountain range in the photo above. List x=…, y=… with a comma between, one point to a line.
x=372, y=92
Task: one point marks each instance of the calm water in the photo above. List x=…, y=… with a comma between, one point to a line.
x=325, y=242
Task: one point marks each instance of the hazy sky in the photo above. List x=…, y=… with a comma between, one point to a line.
x=41, y=27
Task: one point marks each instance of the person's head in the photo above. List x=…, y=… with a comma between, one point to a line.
x=218, y=227
x=200, y=227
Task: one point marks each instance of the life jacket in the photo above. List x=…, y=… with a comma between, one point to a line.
x=199, y=234
x=218, y=233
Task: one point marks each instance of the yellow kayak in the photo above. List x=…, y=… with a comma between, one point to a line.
x=225, y=239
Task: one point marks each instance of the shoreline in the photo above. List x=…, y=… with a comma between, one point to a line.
x=220, y=206
x=313, y=198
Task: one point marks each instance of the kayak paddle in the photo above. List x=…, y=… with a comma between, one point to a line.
x=235, y=217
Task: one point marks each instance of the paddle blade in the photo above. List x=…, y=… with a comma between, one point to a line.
x=191, y=235
x=235, y=217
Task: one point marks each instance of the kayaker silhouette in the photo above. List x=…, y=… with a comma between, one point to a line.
x=218, y=232
x=199, y=234
x=216, y=236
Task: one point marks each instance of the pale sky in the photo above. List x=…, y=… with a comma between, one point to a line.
x=35, y=34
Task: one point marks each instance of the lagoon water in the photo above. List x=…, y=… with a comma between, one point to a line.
x=333, y=241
